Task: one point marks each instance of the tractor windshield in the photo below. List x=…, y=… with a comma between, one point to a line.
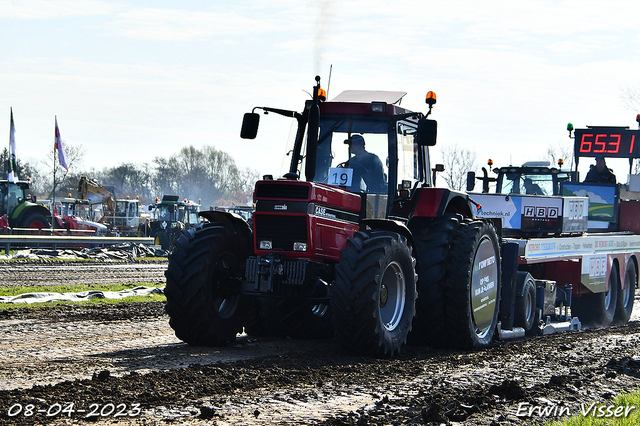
x=12, y=195
x=166, y=212
x=354, y=154
x=537, y=181
x=532, y=184
x=192, y=214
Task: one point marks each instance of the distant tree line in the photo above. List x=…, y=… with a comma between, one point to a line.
x=207, y=174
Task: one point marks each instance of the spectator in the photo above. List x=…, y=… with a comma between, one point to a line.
x=600, y=173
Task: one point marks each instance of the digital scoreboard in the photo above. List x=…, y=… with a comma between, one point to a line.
x=613, y=142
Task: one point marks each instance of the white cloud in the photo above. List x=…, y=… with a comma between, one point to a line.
x=151, y=79
x=53, y=9
x=181, y=25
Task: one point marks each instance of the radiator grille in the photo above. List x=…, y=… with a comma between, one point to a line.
x=283, y=191
x=282, y=230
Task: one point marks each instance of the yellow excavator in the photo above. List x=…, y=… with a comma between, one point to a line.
x=121, y=216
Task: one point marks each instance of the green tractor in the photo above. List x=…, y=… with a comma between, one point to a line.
x=169, y=217
x=18, y=208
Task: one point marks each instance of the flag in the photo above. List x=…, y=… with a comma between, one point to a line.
x=12, y=175
x=62, y=156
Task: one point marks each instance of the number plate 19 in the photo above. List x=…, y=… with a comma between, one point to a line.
x=340, y=177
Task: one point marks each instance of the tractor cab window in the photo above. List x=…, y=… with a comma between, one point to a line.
x=517, y=183
x=410, y=155
x=67, y=209
x=163, y=213
x=82, y=211
x=15, y=196
x=181, y=213
x=353, y=155
x=192, y=215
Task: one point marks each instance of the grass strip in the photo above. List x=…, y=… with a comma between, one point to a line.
x=14, y=291
x=622, y=411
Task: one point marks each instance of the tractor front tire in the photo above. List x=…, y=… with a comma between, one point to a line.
x=203, y=300
x=374, y=294
x=472, y=287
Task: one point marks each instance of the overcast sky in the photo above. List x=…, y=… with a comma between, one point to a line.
x=131, y=80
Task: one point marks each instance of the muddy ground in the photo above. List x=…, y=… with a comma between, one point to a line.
x=122, y=364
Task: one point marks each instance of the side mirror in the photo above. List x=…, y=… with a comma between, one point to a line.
x=250, y=124
x=427, y=132
x=471, y=181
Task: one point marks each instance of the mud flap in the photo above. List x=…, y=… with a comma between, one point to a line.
x=508, y=297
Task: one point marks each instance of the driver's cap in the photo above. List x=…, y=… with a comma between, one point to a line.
x=357, y=139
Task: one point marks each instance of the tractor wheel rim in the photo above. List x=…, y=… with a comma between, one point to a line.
x=607, y=298
x=320, y=309
x=484, y=288
x=392, y=296
x=628, y=290
x=226, y=306
x=528, y=306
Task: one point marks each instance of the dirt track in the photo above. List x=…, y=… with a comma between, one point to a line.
x=127, y=355
x=57, y=272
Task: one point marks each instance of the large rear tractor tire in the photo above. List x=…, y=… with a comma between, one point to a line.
x=203, y=299
x=626, y=295
x=598, y=309
x=433, y=242
x=374, y=294
x=472, y=287
x=35, y=220
x=526, y=314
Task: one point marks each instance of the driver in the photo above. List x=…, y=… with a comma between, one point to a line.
x=366, y=165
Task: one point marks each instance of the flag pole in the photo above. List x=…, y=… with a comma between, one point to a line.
x=53, y=204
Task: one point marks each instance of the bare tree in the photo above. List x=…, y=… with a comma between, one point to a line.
x=631, y=98
x=561, y=151
x=457, y=162
x=66, y=180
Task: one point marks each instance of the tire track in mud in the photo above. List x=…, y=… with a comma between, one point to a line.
x=74, y=273
x=127, y=353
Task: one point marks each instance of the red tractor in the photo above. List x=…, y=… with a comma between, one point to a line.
x=352, y=241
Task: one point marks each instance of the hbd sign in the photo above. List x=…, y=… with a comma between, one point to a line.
x=541, y=212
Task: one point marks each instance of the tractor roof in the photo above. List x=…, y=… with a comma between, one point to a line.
x=368, y=96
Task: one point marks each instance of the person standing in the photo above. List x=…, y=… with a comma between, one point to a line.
x=600, y=173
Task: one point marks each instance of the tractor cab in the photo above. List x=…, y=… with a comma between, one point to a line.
x=362, y=142
x=532, y=178
x=191, y=210
x=19, y=208
x=13, y=194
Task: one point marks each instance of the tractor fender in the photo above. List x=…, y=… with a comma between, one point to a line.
x=234, y=220
x=25, y=209
x=436, y=202
x=391, y=225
